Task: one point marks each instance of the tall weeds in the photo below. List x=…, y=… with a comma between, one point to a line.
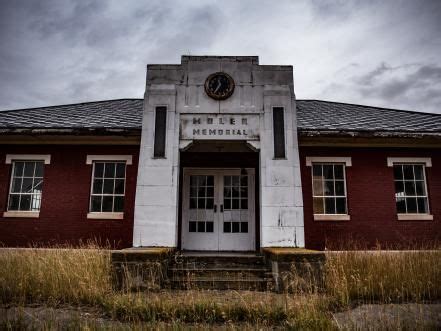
x=384, y=276
x=59, y=275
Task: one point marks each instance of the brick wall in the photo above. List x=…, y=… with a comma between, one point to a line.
x=65, y=199
x=371, y=201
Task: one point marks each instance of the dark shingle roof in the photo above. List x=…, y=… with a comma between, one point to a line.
x=112, y=114
x=312, y=115
x=315, y=115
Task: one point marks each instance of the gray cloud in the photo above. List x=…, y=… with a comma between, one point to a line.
x=383, y=53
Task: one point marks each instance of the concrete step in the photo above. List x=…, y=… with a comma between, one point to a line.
x=218, y=261
x=258, y=284
x=230, y=273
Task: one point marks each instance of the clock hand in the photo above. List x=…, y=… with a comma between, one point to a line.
x=218, y=86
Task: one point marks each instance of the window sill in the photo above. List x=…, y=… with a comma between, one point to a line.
x=415, y=217
x=22, y=214
x=106, y=216
x=331, y=217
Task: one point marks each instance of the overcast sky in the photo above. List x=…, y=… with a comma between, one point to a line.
x=381, y=53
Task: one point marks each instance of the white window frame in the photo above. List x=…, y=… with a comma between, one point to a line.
x=346, y=162
x=10, y=158
x=426, y=162
x=90, y=159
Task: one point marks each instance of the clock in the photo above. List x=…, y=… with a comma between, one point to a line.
x=219, y=86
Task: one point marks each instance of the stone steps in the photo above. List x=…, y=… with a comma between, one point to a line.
x=219, y=272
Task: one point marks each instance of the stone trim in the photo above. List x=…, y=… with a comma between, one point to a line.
x=415, y=217
x=91, y=158
x=105, y=216
x=328, y=159
x=332, y=217
x=28, y=157
x=22, y=214
x=427, y=161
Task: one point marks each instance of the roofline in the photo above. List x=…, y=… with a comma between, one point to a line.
x=70, y=104
x=367, y=106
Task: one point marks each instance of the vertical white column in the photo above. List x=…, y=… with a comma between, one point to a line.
x=156, y=203
x=281, y=194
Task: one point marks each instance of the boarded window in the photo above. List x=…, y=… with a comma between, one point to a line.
x=279, y=133
x=160, y=131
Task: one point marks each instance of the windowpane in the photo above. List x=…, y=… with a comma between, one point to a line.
x=341, y=205
x=318, y=205
x=399, y=188
x=317, y=187
x=27, y=185
x=408, y=172
x=235, y=227
x=97, y=186
x=118, y=204
x=279, y=132
x=244, y=204
x=39, y=169
x=107, y=203
x=227, y=227
x=209, y=226
x=227, y=204
x=401, y=205
x=244, y=227
x=109, y=170
x=192, y=226
x=108, y=186
x=329, y=205
x=338, y=171
x=411, y=205
x=328, y=171
x=16, y=185
x=317, y=171
x=119, y=186
x=201, y=226
x=25, y=202
x=420, y=188
x=409, y=188
x=235, y=204
x=120, y=170
x=29, y=169
x=419, y=172
x=99, y=169
x=329, y=187
x=193, y=203
x=422, y=205
x=95, y=205
x=18, y=169
x=14, y=201
x=210, y=203
x=339, y=187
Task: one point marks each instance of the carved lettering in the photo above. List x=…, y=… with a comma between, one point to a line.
x=196, y=132
x=196, y=120
x=232, y=121
x=211, y=132
x=244, y=121
x=209, y=120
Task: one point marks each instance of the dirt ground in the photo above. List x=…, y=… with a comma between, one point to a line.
x=363, y=317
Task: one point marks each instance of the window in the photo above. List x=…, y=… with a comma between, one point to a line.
x=279, y=132
x=160, y=131
x=329, y=188
x=26, y=186
x=108, y=187
x=201, y=203
x=410, y=188
x=235, y=201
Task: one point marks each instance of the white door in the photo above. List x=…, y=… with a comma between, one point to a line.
x=218, y=210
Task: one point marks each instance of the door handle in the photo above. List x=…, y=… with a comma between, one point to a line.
x=215, y=208
x=221, y=208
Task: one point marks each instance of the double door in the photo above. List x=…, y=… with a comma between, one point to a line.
x=218, y=210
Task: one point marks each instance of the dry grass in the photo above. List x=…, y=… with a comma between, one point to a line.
x=79, y=277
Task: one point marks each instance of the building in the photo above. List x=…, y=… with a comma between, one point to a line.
x=220, y=155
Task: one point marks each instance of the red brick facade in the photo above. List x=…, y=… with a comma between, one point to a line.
x=65, y=199
x=371, y=201
x=370, y=190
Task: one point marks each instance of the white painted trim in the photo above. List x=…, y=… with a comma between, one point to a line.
x=426, y=160
x=28, y=157
x=332, y=217
x=23, y=214
x=91, y=158
x=105, y=216
x=328, y=159
x=415, y=217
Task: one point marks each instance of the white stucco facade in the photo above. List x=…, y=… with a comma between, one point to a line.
x=180, y=88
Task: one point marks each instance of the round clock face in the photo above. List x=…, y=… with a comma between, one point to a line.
x=219, y=86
